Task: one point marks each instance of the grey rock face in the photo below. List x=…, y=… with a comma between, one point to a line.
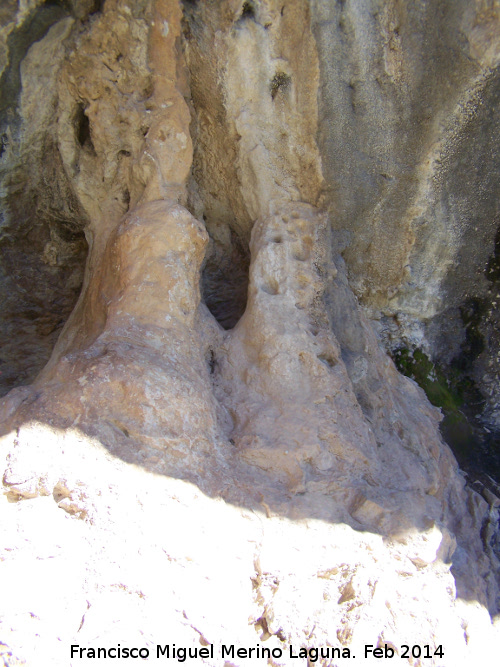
x=241, y=193
x=43, y=246
x=408, y=128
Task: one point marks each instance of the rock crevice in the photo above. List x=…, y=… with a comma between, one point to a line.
x=234, y=452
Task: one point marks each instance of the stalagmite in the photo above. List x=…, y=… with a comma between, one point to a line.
x=219, y=462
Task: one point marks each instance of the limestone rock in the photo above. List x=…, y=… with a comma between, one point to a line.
x=418, y=224
x=219, y=450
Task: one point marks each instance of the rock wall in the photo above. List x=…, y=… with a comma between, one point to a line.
x=408, y=120
x=42, y=221
x=236, y=458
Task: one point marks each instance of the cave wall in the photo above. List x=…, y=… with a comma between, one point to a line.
x=254, y=77
x=407, y=130
x=43, y=243
x=235, y=203
x=401, y=100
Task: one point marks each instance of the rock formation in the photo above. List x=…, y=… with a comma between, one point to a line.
x=217, y=218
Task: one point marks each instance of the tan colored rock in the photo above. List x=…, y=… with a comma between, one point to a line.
x=165, y=481
x=142, y=384
x=283, y=379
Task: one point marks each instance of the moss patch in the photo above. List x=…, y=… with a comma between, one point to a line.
x=280, y=81
x=447, y=394
x=420, y=368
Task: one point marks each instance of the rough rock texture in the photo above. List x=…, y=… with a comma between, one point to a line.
x=236, y=458
x=42, y=238
x=413, y=88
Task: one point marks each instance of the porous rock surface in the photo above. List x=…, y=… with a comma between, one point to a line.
x=273, y=481
x=412, y=88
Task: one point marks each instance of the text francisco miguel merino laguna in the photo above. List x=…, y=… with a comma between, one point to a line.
x=182, y=653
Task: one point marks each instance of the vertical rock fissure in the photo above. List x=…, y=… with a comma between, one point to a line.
x=225, y=280
x=291, y=432
x=18, y=44
x=42, y=238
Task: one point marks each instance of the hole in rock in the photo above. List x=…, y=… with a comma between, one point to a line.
x=126, y=198
x=271, y=287
x=82, y=129
x=4, y=142
x=211, y=361
x=280, y=81
x=225, y=280
x=328, y=359
x=248, y=10
x=97, y=7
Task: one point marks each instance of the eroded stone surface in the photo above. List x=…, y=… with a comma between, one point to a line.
x=412, y=137
x=169, y=481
